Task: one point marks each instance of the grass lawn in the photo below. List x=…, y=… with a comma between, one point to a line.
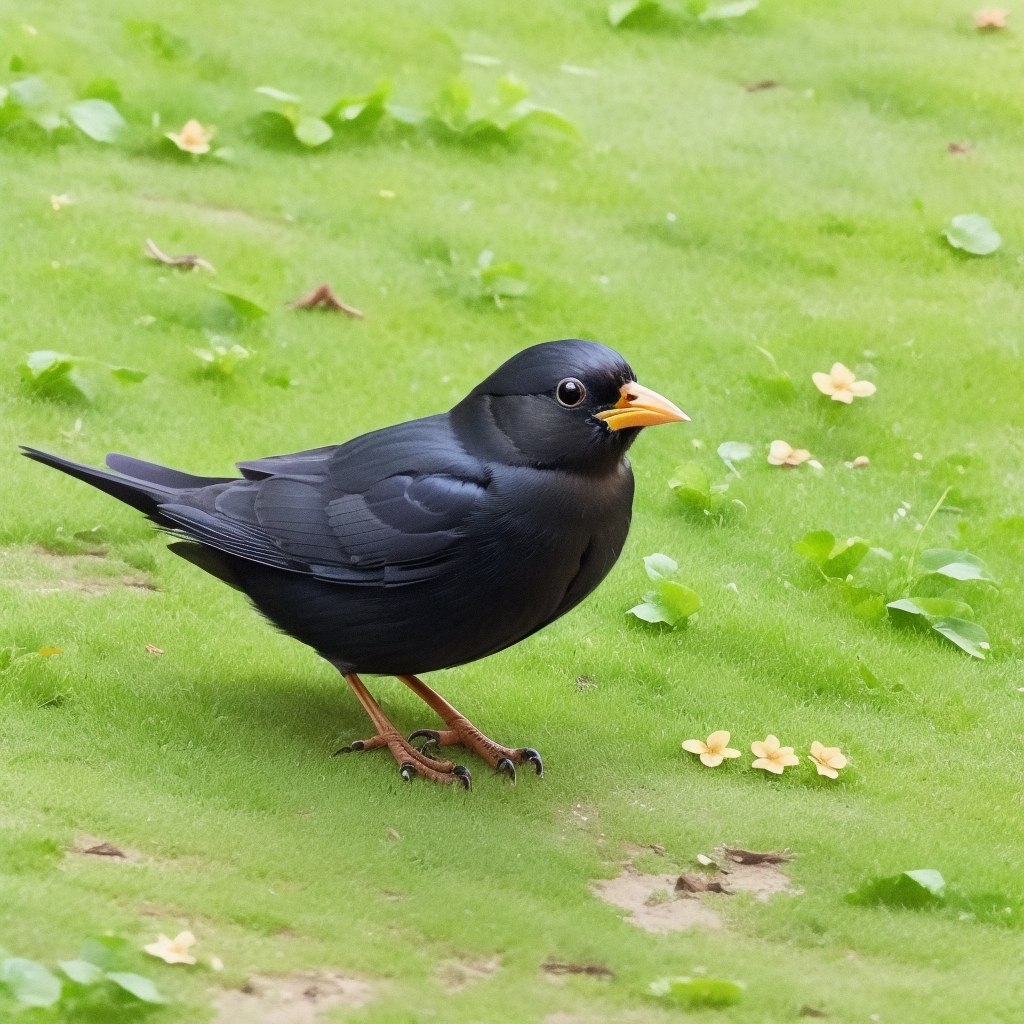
x=693, y=222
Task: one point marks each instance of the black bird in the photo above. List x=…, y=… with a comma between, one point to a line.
x=427, y=544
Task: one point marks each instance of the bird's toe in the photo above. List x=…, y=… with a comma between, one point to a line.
x=527, y=755
x=508, y=767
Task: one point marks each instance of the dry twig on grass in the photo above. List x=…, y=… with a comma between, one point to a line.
x=323, y=297
x=191, y=261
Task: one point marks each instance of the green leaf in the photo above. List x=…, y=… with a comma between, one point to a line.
x=973, y=233
x=845, y=557
x=52, y=375
x=406, y=115
x=103, y=950
x=137, y=985
x=968, y=636
x=868, y=676
x=680, y=602
x=722, y=12
x=245, y=308
x=526, y=113
x=660, y=566
x=278, y=376
x=865, y=603
x=453, y=103
x=928, y=609
x=503, y=279
x=913, y=890
x=817, y=546
x=512, y=91
x=102, y=89
x=29, y=92
x=30, y=983
x=126, y=375
x=632, y=12
x=651, y=610
x=277, y=94
x=98, y=119
x=733, y=451
x=158, y=39
x=313, y=131
x=690, y=484
x=957, y=565
x=82, y=972
x=694, y=993
x=221, y=361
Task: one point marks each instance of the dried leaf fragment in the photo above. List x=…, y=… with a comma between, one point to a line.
x=960, y=148
x=810, y=1011
x=754, y=857
x=153, y=649
x=106, y=850
x=191, y=261
x=49, y=652
x=768, y=83
x=991, y=18
x=557, y=967
x=323, y=297
x=697, y=883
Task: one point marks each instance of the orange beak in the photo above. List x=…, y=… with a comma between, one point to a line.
x=640, y=407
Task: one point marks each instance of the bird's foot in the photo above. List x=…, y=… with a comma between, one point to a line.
x=412, y=761
x=462, y=732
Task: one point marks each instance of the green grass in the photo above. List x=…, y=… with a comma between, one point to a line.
x=807, y=222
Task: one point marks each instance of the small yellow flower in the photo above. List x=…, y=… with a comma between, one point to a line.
x=842, y=385
x=714, y=751
x=771, y=756
x=783, y=454
x=193, y=137
x=173, y=951
x=993, y=17
x=828, y=760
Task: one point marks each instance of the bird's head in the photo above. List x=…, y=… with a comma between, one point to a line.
x=570, y=404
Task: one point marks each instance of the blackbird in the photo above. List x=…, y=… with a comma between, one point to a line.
x=427, y=544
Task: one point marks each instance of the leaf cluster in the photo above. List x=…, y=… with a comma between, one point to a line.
x=692, y=487
x=499, y=281
x=59, y=377
x=455, y=115
x=900, y=599
x=670, y=602
x=697, y=993
x=28, y=113
x=92, y=982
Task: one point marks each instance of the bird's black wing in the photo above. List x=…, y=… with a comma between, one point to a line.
x=386, y=508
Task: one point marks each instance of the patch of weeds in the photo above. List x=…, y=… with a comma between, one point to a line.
x=220, y=361
x=28, y=113
x=701, y=499
x=904, y=597
x=59, y=377
x=671, y=602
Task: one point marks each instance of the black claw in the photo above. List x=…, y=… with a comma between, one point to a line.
x=505, y=765
x=530, y=756
x=408, y=771
x=461, y=772
x=354, y=745
x=433, y=737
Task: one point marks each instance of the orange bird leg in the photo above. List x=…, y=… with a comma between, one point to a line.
x=461, y=731
x=410, y=760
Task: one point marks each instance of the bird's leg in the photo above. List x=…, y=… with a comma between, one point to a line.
x=410, y=760
x=461, y=731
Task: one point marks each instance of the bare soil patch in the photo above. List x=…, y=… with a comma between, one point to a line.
x=291, y=999
x=39, y=571
x=457, y=974
x=93, y=848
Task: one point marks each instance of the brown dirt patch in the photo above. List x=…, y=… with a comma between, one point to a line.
x=457, y=974
x=291, y=999
x=93, y=848
x=653, y=903
x=39, y=571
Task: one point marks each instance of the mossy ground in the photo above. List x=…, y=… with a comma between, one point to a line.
x=807, y=221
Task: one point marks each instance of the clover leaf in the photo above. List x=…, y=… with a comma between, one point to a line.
x=972, y=233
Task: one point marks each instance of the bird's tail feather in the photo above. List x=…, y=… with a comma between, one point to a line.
x=144, y=495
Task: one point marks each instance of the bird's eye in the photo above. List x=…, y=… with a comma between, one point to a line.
x=570, y=392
